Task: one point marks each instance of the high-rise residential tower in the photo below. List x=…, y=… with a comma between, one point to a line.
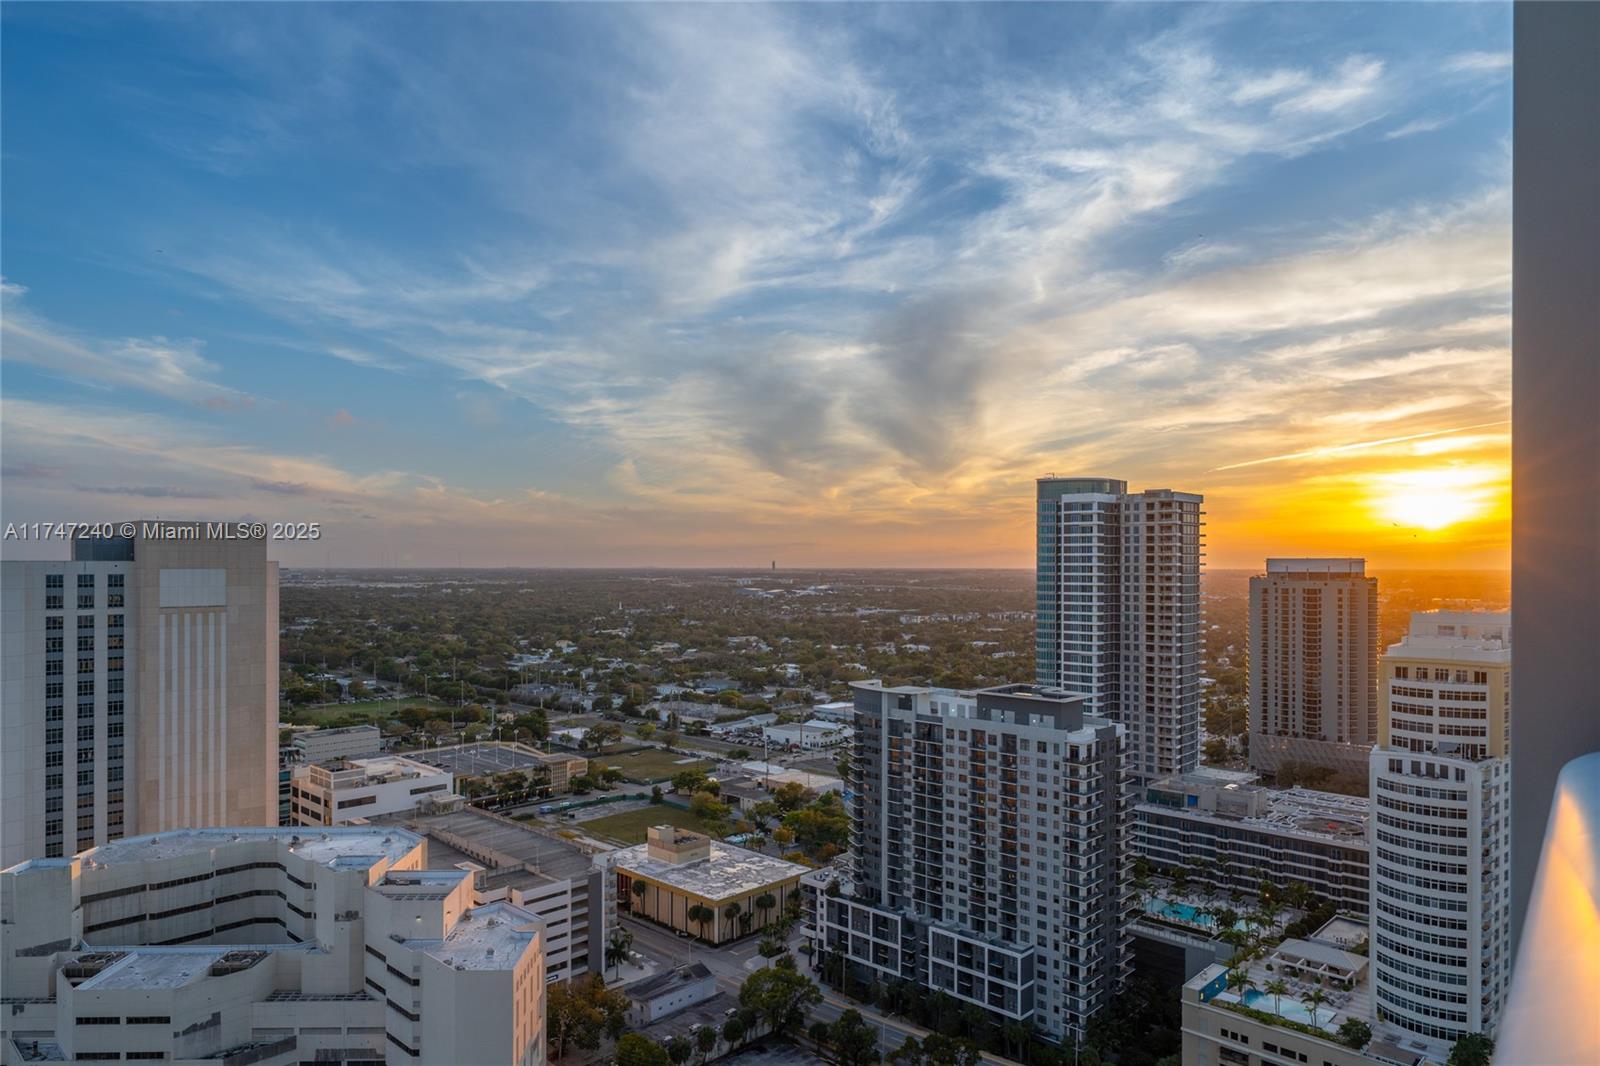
x=1313, y=665
x=139, y=689
x=989, y=835
x=1119, y=612
x=1441, y=827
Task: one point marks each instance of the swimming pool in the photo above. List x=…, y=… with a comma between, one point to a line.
x=1289, y=1007
x=1188, y=914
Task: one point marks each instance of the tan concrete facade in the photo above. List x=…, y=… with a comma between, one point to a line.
x=205, y=639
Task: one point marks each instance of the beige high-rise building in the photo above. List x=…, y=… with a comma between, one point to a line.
x=139, y=690
x=1313, y=665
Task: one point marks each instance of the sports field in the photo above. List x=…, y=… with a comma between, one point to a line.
x=629, y=826
x=651, y=764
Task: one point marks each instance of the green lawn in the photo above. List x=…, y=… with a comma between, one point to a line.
x=650, y=765
x=629, y=827
x=374, y=711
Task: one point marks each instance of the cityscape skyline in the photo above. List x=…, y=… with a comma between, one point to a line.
x=595, y=308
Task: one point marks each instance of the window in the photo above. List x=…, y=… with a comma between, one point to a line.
x=52, y=581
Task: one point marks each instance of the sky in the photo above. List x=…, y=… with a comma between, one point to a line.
x=825, y=285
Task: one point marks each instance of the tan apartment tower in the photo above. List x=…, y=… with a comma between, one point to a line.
x=1313, y=672
x=139, y=689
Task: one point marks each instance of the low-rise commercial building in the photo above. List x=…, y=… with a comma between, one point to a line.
x=743, y=891
x=665, y=994
x=265, y=946
x=336, y=792
x=1234, y=835
x=808, y=735
x=561, y=766
x=348, y=742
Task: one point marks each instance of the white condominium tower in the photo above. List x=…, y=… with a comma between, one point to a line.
x=138, y=690
x=1313, y=665
x=1441, y=791
x=989, y=841
x=1119, y=612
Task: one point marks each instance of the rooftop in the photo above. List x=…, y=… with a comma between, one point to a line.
x=334, y=731
x=491, y=937
x=728, y=873
x=514, y=843
x=334, y=844
x=673, y=979
x=171, y=967
x=1303, y=812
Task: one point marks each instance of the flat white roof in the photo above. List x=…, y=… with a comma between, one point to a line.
x=491, y=937
x=319, y=845
x=729, y=872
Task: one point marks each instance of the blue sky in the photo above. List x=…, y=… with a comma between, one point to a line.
x=618, y=285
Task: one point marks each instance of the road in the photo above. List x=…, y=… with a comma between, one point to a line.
x=731, y=965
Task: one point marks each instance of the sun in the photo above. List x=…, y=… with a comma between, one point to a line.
x=1434, y=499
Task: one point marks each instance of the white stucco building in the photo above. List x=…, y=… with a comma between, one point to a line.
x=340, y=790
x=1441, y=828
x=808, y=735
x=265, y=946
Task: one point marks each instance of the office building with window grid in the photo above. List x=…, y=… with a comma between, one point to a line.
x=138, y=690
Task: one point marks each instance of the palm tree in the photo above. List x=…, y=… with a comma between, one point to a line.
x=702, y=915
x=732, y=912
x=617, y=948
x=1239, y=981
x=1314, y=999
x=1276, y=988
x=638, y=889
x=764, y=903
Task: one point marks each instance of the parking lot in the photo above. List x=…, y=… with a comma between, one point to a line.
x=467, y=760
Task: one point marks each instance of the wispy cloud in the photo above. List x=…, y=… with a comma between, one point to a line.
x=173, y=368
x=768, y=268
x=1479, y=63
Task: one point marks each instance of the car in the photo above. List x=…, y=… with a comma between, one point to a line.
x=730, y=1012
